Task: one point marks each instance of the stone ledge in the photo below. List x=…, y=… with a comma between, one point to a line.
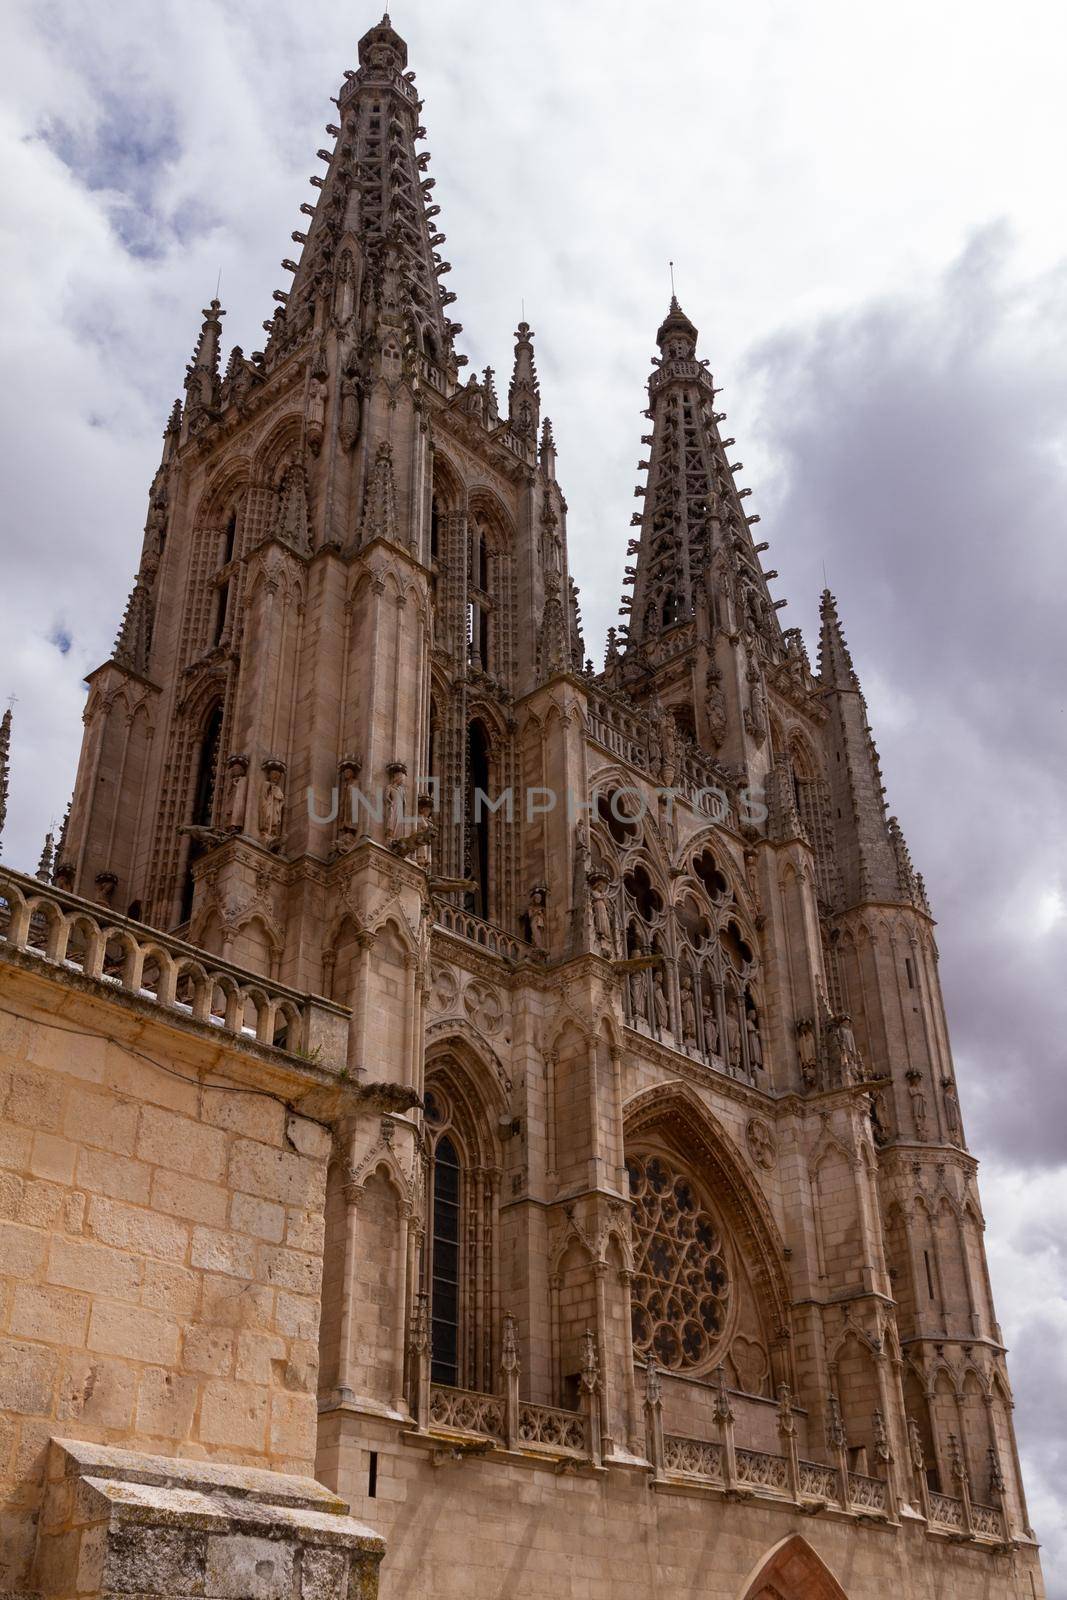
x=121, y=1522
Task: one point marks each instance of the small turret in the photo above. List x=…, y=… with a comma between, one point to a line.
x=524, y=392
x=202, y=381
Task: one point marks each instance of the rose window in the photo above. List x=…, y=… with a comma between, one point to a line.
x=681, y=1289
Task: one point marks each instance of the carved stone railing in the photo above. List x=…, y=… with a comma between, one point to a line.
x=78, y=937
x=618, y=731
x=552, y=1429
x=987, y=1521
x=465, y=1411
x=947, y=1512
x=692, y=1458
x=465, y=925
x=867, y=1494
x=760, y=1470
x=818, y=1482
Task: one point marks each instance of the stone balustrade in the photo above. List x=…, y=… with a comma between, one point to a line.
x=475, y=930
x=466, y=1411
x=867, y=1494
x=552, y=1429
x=79, y=937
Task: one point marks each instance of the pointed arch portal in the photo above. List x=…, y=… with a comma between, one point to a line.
x=793, y=1571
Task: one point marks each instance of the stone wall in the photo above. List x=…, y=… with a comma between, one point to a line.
x=160, y=1242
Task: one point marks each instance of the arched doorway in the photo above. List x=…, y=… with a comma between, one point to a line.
x=792, y=1571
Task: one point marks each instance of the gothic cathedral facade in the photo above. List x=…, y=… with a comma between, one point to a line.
x=652, y=1243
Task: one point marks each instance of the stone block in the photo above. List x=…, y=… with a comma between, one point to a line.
x=153, y=1560
x=97, y=1269
x=264, y=1219
x=243, y=1567
x=281, y=1175
x=144, y=1232
x=166, y=1404
x=323, y=1575
x=234, y=1415
x=182, y=1196
x=134, y=1332
x=27, y=1378
x=169, y=1140
x=56, y=1316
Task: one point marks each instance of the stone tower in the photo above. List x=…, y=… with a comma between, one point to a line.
x=653, y=1247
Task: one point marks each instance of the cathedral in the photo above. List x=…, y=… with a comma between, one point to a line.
x=474, y=1123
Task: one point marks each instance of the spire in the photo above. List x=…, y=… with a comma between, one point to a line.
x=5, y=768
x=691, y=507
x=864, y=848
x=375, y=202
x=202, y=383
x=547, y=453
x=44, y=866
x=835, y=660
x=524, y=392
x=134, y=638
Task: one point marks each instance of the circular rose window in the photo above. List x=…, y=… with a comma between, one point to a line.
x=681, y=1288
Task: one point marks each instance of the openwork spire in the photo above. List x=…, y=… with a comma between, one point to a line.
x=374, y=201
x=691, y=507
x=869, y=855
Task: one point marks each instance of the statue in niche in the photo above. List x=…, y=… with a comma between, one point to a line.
x=639, y=996
x=715, y=706
x=733, y=1038
x=537, y=917
x=659, y=1001
x=395, y=801
x=807, y=1052
x=669, y=764
x=847, y=1050
x=602, y=914
x=350, y=402
x=316, y=412
x=348, y=771
x=236, y=793
x=918, y=1106
x=272, y=803
x=879, y=1117
x=689, y=1010
x=755, y=1046
x=952, y=1111
x=711, y=1027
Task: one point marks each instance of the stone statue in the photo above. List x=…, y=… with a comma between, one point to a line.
x=733, y=1039
x=918, y=1106
x=952, y=1111
x=272, y=803
x=316, y=413
x=689, y=1011
x=807, y=1052
x=237, y=793
x=715, y=706
x=711, y=1028
x=659, y=1000
x=348, y=429
x=348, y=771
x=395, y=801
x=847, y=1050
x=601, y=910
x=536, y=917
x=755, y=1047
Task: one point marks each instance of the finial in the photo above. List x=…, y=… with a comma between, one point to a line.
x=44, y=866
x=671, y=266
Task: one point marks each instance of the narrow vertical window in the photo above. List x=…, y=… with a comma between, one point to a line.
x=444, y=1295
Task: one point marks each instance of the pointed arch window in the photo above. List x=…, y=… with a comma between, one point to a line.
x=445, y=1288
x=203, y=802
x=478, y=817
x=458, y=1251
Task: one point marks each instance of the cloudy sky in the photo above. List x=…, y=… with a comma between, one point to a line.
x=865, y=208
